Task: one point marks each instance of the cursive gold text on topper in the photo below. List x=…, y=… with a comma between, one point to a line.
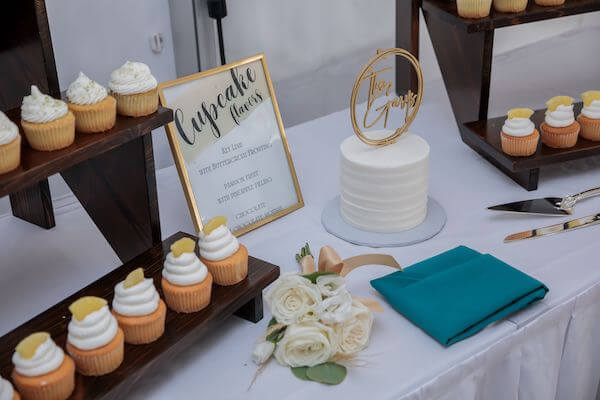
x=378, y=86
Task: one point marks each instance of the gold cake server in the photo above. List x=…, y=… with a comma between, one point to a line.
x=578, y=223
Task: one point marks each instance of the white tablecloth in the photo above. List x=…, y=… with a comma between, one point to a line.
x=546, y=352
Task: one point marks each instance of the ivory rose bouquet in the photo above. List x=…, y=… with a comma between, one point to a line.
x=315, y=323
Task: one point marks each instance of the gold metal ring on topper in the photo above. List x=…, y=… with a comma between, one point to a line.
x=378, y=87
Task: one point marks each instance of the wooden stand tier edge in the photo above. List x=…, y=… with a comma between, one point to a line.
x=464, y=48
x=182, y=330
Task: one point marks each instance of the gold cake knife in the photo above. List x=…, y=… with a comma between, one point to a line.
x=578, y=223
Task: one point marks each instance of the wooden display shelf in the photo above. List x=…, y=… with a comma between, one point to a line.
x=447, y=10
x=38, y=165
x=243, y=299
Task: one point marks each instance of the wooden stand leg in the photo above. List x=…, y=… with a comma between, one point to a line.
x=118, y=191
x=253, y=310
x=34, y=205
x=407, y=37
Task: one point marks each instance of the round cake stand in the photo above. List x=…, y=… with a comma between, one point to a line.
x=334, y=223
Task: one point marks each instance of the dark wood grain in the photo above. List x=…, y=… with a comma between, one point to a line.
x=34, y=204
x=446, y=10
x=181, y=329
x=407, y=37
x=118, y=191
x=38, y=165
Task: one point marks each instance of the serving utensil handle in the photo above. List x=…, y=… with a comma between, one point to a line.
x=569, y=201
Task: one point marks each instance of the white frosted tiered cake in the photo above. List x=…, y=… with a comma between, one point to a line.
x=384, y=189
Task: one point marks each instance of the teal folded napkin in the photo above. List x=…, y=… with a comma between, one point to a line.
x=456, y=294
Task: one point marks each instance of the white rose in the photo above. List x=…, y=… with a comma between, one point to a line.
x=306, y=344
x=262, y=352
x=293, y=299
x=335, y=309
x=331, y=285
x=353, y=335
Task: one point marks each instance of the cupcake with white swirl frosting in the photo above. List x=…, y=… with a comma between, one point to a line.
x=42, y=370
x=589, y=119
x=138, y=309
x=135, y=89
x=224, y=256
x=10, y=145
x=519, y=136
x=47, y=122
x=94, y=338
x=186, y=282
x=559, y=129
x=95, y=111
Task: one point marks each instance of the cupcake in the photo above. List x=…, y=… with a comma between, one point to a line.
x=473, y=8
x=186, y=283
x=95, y=111
x=135, y=89
x=549, y=2
x=224, y=256
x=589, y=119
x=510, y=6
x=47, y=122
x=559, y=129
x=42, y=370
x=519, y=136
x=138, y=309
x=10, y=145
x=94, y=338
x=7, y=392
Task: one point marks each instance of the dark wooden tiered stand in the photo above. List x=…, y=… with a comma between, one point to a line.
x=464, y=51
x=182, y=330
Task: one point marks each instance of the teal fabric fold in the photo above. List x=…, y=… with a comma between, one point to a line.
x=456, y=294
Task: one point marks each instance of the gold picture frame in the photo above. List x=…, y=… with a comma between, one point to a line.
x=178, y=154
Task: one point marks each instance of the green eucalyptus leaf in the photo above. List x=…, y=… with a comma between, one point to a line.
x=313, y=277
x=272, y=322
x=300, y=373
x=329, y=373
x=276, y=336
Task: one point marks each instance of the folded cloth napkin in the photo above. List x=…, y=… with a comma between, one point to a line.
x=458, y=293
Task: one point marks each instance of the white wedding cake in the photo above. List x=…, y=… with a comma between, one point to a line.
x=384, y=188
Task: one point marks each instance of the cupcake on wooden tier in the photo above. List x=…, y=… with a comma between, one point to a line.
x=95, y=111
x=186, y=282
x=549, y=3
x=510, y=6
x=135, y=89
x=559, y=129
x=225, y=257
x=519, y=136
x=589, y=119
x=7, y=392
x=138, y=309
x=94, y=339
x=10, y=145
x=47, y=122
x=473, y=8
x=42, y=370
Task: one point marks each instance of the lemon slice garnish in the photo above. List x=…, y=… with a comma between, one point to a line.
x=214, y=224
x=184, y=245
x=556, y=101
x=28, y=346
x=520, y=113
x=84, y=306
x=136, y=276
x=590, y=96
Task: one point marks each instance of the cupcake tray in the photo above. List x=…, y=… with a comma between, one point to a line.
x=181, y=331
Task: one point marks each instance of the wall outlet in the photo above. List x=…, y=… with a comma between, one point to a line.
x=157, y=43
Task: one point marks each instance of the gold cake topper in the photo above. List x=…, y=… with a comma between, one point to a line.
x=410, y=102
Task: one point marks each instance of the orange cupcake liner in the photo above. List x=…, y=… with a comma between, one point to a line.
x=231, y=270
x=94, y=118
x=549, y=2
x=138, y=104
x=590, y=128
x=16, y=395
x=520, y=146
x=473, y=8
x=188, y=299
x=145, y=328
x=53, y=135
x=560, y=138
x=510, y=6
x=10, y=155
x=102, y=360
x=55, y=385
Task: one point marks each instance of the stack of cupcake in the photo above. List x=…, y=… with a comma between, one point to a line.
x=50, y=124
x=481, y=8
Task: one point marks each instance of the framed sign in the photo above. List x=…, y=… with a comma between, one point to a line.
x=229, y=145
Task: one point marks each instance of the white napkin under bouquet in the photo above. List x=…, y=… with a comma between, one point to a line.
x=316, y=323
